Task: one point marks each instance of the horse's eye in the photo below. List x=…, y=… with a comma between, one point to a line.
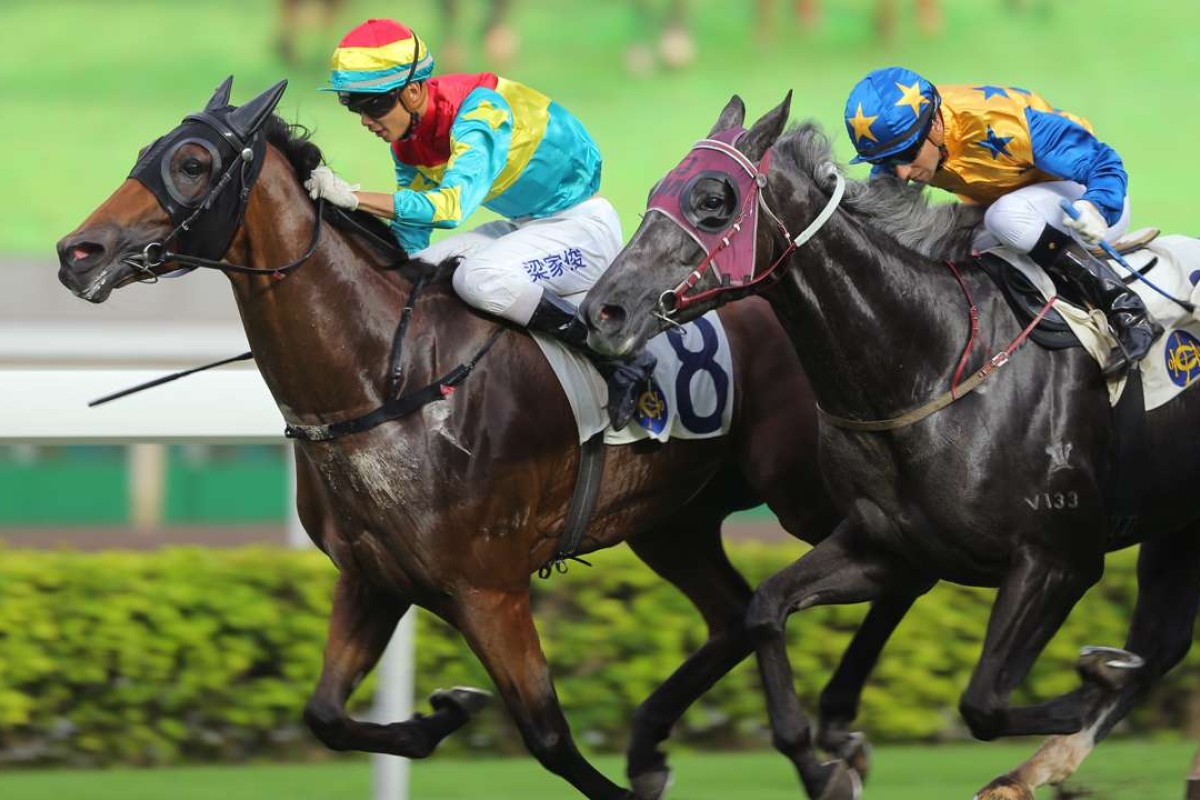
x=713, y=203
x=193, y=168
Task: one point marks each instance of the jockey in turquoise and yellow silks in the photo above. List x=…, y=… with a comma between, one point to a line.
x=473, y=139
x=459, y=142
x=1007, y=148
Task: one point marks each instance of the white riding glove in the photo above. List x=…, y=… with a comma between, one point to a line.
x=323, y=183
x=1090, y=226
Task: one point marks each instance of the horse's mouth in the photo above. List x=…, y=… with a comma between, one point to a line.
x=607, y=345
x=98, y=283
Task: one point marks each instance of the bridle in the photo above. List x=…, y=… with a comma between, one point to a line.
x=206, y=226
x=731, y=259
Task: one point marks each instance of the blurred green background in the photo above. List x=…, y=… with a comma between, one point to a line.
x=87, y=83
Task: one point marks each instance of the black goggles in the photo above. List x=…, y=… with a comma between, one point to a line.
x=374, y=104
x=904, y=157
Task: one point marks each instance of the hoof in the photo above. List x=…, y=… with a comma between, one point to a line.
x=1110, y=667
x=856, y=752
x=1005, y=788
x=651, y=785
x=843, y=783
x=467, y=700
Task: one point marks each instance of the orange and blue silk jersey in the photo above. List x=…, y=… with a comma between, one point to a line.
x=999, y=139
x=488, y=141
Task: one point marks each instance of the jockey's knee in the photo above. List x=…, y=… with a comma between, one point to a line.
x=504, y=291
x=1015, y=221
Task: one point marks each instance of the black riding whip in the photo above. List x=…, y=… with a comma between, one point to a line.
x=246, y=356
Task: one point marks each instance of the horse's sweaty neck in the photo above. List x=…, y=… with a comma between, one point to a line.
x=312, y=331
x=878, y=326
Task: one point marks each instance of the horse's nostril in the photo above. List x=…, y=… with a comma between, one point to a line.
x=613, y=315
x=74, y=254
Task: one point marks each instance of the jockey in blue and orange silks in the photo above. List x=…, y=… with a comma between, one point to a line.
x=1010, y=150
x=459, y=142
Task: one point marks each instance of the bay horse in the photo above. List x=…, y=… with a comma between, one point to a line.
x=1009, y=486
x=452, y=507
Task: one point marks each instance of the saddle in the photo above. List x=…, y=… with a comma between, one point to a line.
x=1026, y=300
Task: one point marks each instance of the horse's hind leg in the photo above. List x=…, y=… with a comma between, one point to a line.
x=498, y=626
x=1161, y=633
x=360, y=626
x=692, y=558
x=1035, y=598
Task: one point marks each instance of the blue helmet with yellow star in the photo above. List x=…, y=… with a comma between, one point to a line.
x=888, y=112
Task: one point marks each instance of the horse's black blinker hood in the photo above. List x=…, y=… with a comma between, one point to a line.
x=232, y=136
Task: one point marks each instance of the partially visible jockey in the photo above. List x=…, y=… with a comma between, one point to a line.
x=1010, y=150
x=462, y=141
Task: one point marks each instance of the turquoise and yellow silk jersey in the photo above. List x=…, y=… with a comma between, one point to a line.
x=489, y=141
x=999, y=139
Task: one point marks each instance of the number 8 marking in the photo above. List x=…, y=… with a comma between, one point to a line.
x=692, y=362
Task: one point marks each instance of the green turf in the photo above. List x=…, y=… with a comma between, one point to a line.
x=1131, y=769
x=87, y=83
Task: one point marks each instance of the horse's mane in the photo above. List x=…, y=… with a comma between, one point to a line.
x=295, y=142
x=885, y=203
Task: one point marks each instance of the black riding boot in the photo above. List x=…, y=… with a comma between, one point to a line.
x=1083, y=278
x=626, y=378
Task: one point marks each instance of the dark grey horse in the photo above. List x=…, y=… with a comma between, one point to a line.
x=1008, y=487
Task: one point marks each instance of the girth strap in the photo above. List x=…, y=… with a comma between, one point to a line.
x=583, y=503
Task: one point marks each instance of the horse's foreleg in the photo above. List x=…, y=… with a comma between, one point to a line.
x=841, y=696
x=360, y=626
x=832, y=573
x=499, y=628
x=1161, y=633
x=699, y=568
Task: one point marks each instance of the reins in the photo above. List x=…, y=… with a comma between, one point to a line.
x=402, y=406
x=156, y=254
x=145, y=261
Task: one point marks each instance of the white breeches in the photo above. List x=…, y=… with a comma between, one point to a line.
x=507, y=263
x=1017, y=218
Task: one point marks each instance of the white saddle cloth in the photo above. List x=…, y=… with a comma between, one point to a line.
x=692, y=393
x=1173, y=362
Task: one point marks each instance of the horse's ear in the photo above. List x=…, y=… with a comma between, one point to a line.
x=220, y=97
x=732, y=117
x=759, y=139
x=246, y=119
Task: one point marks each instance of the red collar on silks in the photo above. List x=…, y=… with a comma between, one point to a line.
x=729, y=241
x=429, y=146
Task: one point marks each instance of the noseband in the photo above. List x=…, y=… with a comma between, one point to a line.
x=731, y=257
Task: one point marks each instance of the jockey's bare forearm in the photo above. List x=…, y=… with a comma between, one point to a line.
x=381, y=204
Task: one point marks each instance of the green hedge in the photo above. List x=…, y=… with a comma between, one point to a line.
x=196, y=654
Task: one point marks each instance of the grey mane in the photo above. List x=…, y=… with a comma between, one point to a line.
x=886, y=203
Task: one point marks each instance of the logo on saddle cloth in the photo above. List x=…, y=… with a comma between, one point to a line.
x=652, y=410
x=1182, y=357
